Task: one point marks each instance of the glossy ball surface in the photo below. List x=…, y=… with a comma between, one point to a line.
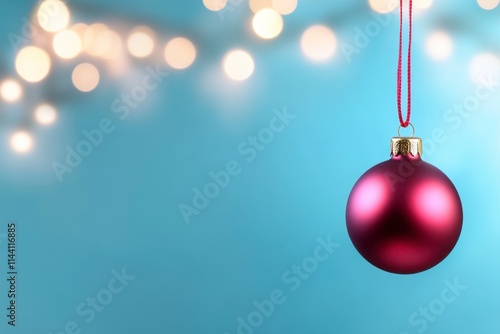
x=404, y=215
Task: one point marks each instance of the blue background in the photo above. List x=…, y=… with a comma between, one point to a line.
x=119, y=208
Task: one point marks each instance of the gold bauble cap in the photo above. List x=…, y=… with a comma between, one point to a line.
x=405, y=145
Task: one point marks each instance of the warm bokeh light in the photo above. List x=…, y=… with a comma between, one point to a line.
x=53, y=15
x=180, y=53
x=422, y=4
x=141, y=42
x=257, y=5
x=215, y=5
x=285, y=7
x=485, y=69
x=383, y=6
x=21, y=142
x=105, y=43
x=80, y=29
x=67, y=44
x=45, y=114
x=32, y=63
x=488, y=4
x=90, y=33
x=439, y=45
x=85, y=77
x=318, y=43
x=267, y=23
x=238, y=65
x=11, y=90
x=386, y=6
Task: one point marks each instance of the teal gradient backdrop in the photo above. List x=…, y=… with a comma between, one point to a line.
x=240, y=259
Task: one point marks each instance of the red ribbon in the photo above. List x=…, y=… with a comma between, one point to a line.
x=404, y=123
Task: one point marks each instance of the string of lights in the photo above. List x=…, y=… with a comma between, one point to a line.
x=66, y=40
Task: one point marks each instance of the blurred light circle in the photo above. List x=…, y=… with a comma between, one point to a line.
x=284, y=7
x=32, y=63
x=53, y=15
x=439, y=45
x=238, y=65
x=488, y=4
x=45, y=114
x=11, y=90
x=215, y=5
x=180, y=53
x=483, y=68
x=318, y=43
x=267, y=23
x=383, y=6
x=85, y=77
x=80, y=29
x=90, y=33
x=106, y=44
x=21, y=142
x=258, y=5
x=141, y=42
x=423, y=4
x=67, y=44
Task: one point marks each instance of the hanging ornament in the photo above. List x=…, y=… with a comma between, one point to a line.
x=404, y=215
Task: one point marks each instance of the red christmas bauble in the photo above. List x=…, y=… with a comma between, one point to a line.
x=404, y=215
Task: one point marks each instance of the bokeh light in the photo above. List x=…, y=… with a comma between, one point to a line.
x=238, y=65
x=80, y=29
x=285, y=7
x=180, y=53
x=267, y=23
x=488, y=4
x=106, y=43
x=439, y=45
x=215, y=5
x=383, y=6
x=141, y=42
x=422, y=4
x=85, y=77
x=53, y=15
x=32, y=63
x=387, y=6
x=21, y=142
x=90, y=33
x=67, y=44
x=483, y=68
x=258, y=5
x=11, y=90
x=318, y=43
x=45, y=114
